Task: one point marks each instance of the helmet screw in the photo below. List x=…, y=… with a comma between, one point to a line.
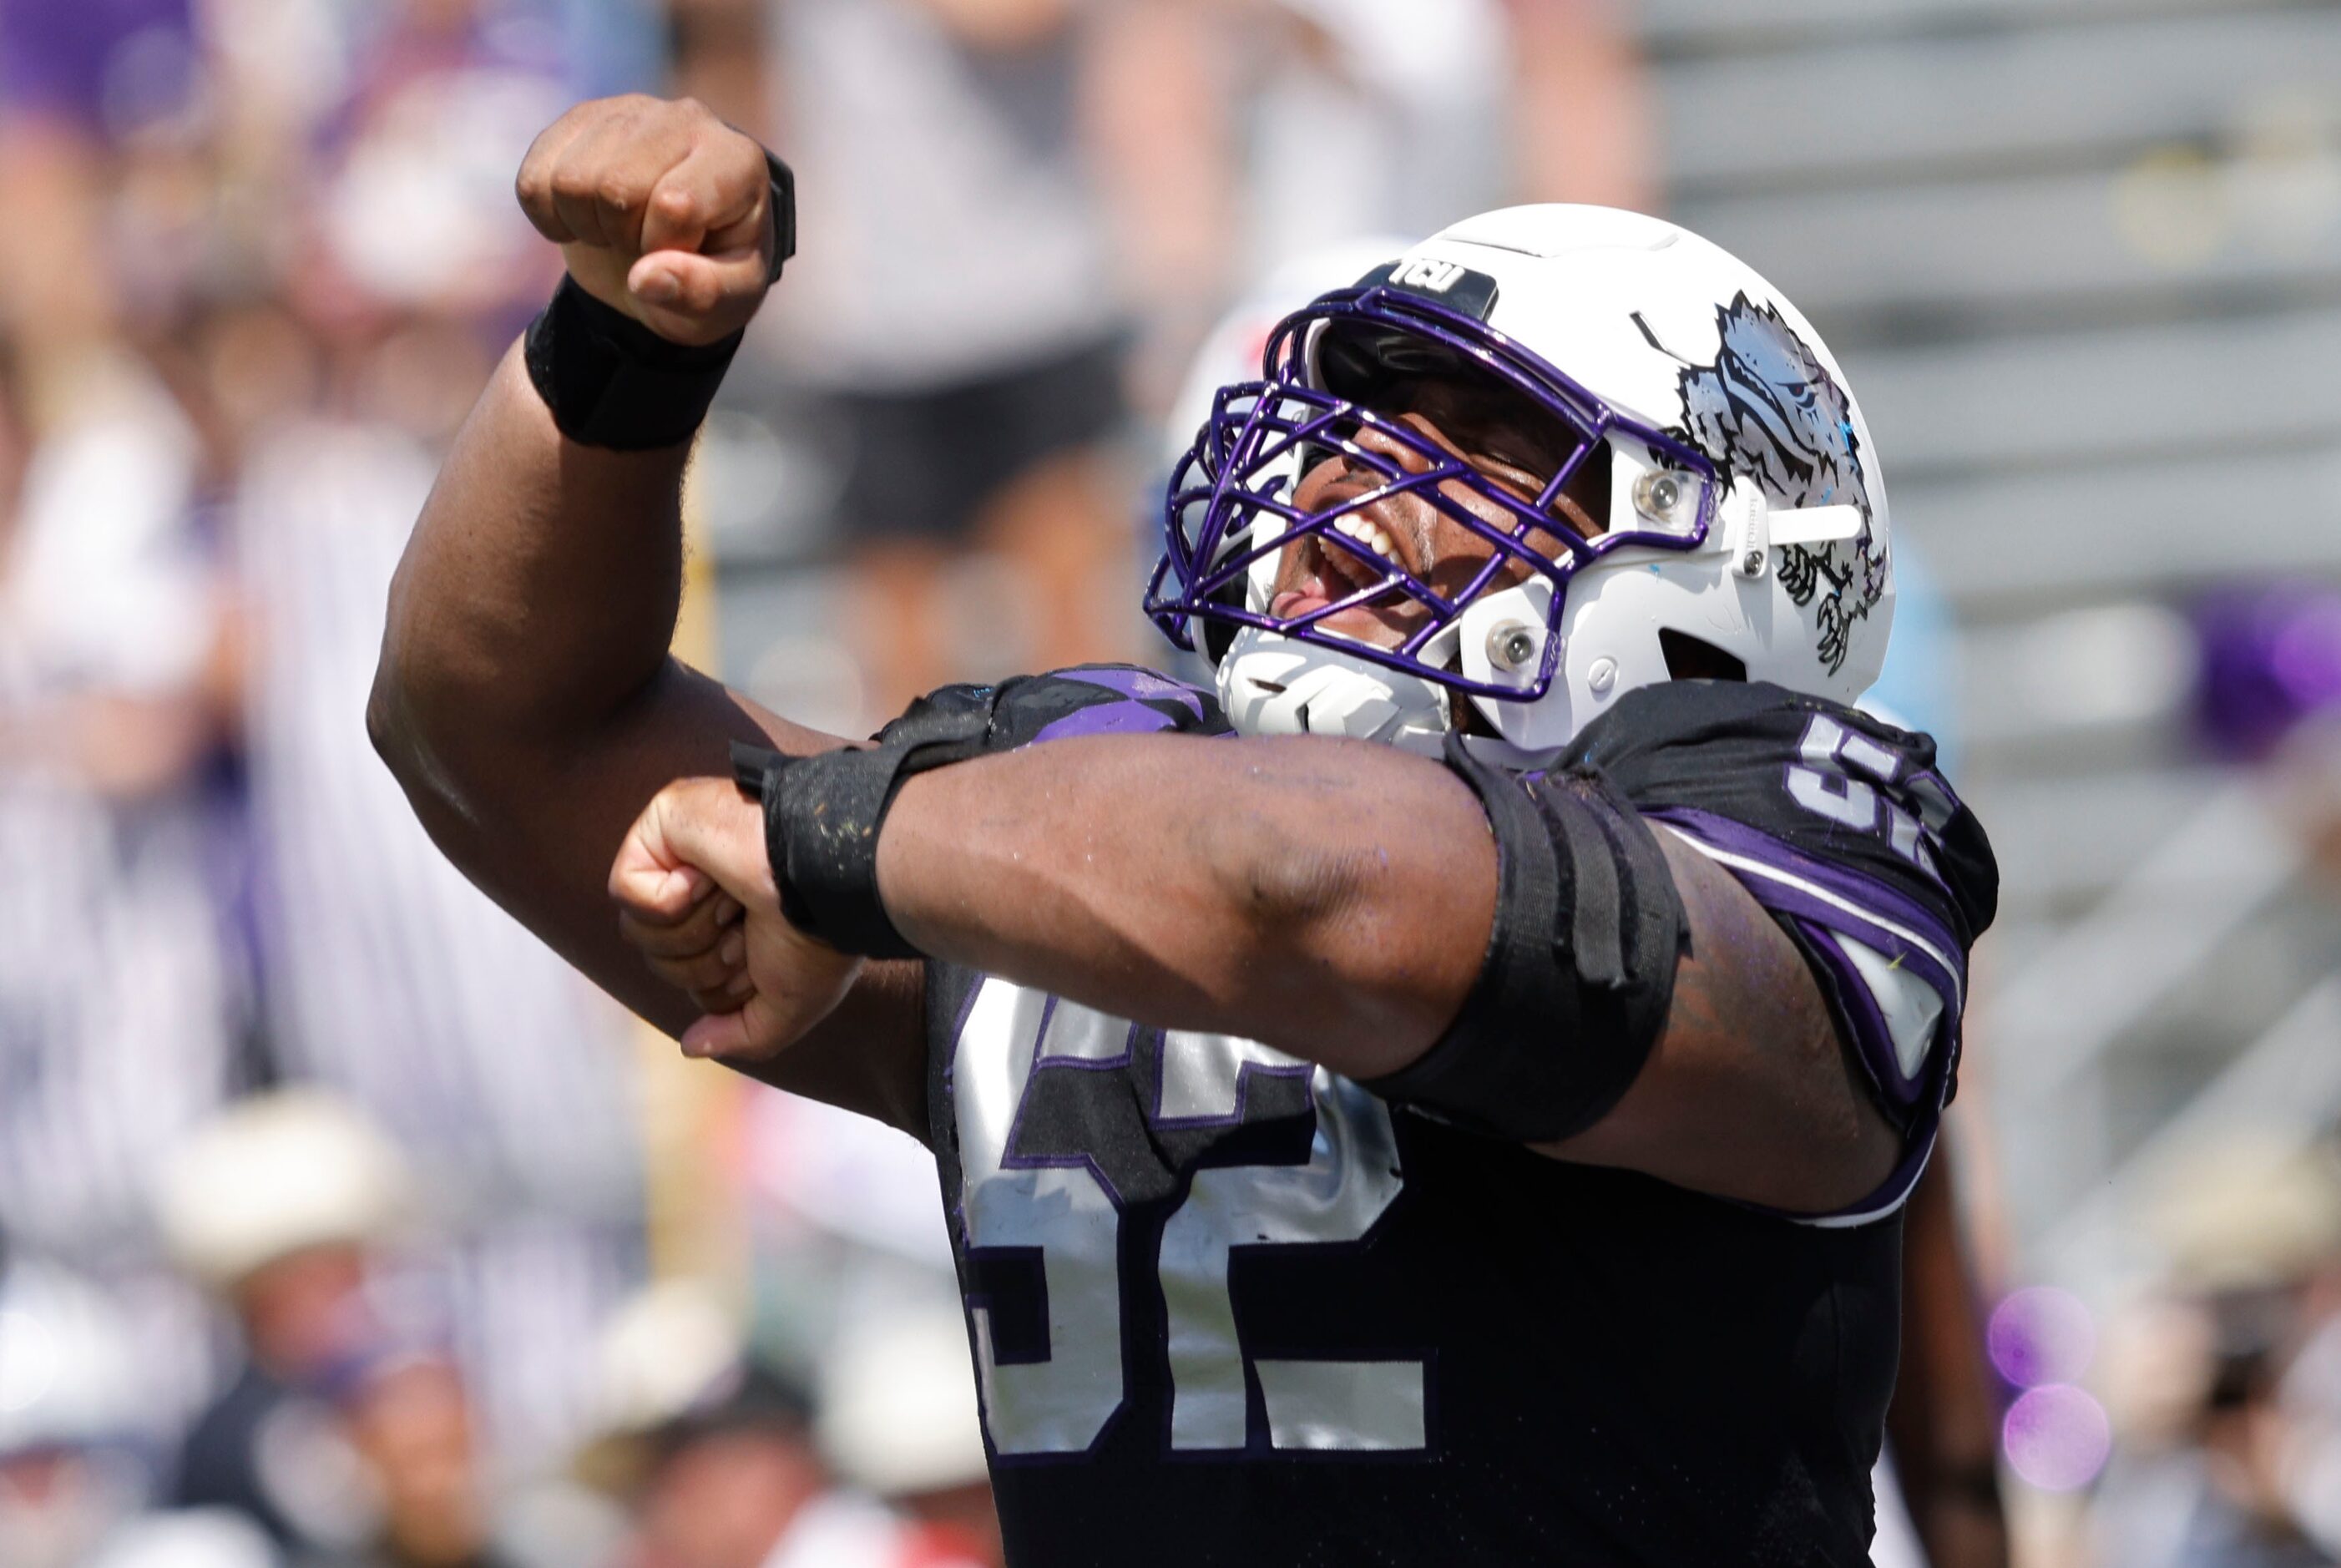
x=1659, y=494
x=1752, y=563
x=1511, y=645
x=1602, y=675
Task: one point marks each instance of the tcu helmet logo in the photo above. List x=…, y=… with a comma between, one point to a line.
x=1768, y=411
x=1451, y=284
x=1429, y=274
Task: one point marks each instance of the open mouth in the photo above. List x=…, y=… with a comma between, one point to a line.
x=1330, y=573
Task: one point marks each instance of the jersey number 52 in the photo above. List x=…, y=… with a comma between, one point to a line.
x=1068, y=1209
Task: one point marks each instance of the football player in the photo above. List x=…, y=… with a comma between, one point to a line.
x=1446, y=1095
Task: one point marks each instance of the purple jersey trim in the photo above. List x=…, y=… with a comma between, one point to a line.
x=1889, y=904
x=1822, y=914
x=1907, y=934
x=1139, y=685
x=1869, y=1024
x=1125, y=718
x=1917, y=1148
x=1140, y=712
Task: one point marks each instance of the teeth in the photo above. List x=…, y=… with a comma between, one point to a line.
x=1367, y=532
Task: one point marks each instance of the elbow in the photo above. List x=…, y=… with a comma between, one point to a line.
x=394, y=739
x=411, y=736
x=399, y=738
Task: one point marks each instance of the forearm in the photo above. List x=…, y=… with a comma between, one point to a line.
x=1330, y=898
x=539, y=591
x=525, y=699
x=1335, y=899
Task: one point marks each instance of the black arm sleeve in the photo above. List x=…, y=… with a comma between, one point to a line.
x=1579, y=970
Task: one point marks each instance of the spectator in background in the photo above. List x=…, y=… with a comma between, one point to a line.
x=1583, y=126
x=969, y=407
x=410, y=1421
x=387, y=977
x=348, y=1435
x=79, y=83
x=899, y=1418
x=75, y=1476
x=117, y=1009
x=715, y=1455
x=1434, y=109
x=280, y=1208
x=2227, y=1433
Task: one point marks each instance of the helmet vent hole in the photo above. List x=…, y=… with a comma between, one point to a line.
x=1690, y=658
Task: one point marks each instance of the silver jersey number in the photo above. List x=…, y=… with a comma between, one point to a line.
x=1064, y=1208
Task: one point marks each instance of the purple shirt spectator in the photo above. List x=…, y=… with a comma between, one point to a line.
x=106, y=65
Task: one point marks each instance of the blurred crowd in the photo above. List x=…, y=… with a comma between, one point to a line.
x=339, y=1222
x=2217, y=1444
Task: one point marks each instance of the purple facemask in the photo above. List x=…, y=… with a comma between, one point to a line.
x=1228, y=510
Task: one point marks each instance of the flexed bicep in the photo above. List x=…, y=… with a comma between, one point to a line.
x=1747, y=1092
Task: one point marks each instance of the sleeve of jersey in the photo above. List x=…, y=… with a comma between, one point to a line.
x=1840, y=828
x=1894, y=977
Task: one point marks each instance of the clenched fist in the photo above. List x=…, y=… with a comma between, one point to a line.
x=695, y=897
x=661, y=210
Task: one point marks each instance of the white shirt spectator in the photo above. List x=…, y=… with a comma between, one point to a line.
x=392, y=980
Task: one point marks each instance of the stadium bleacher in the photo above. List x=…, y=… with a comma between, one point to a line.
x=2083, y=260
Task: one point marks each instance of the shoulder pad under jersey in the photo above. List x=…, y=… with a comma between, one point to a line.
x=1840, y=826
x=1830, y=782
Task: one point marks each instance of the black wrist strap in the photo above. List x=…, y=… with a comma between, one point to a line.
x=784, y=213
x=823, y=814
x=613, y=382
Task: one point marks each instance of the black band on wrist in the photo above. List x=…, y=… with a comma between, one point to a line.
x=614, y=383
x=784, y=213
x=823, y=814
x=611, y=382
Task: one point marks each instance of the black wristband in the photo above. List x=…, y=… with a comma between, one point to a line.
x=823, y=814
x=784, y=213
x=611, y=382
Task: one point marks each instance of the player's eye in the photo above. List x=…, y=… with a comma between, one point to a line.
x=1523, y=463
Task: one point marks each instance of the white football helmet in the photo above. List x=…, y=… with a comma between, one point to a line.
x=1745, y=507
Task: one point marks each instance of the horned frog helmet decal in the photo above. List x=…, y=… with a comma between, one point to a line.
x=1772, y=413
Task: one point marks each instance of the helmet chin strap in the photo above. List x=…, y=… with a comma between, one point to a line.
x=1271, y=685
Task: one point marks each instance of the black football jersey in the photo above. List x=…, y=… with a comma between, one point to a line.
x=1229, y=1307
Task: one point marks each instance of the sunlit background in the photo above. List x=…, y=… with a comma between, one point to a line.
x=343, y=1225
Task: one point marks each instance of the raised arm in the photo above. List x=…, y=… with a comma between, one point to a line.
x=526, y=699
x=1330, y=898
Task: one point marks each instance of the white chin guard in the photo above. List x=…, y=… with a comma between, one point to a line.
x=1271, y=685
